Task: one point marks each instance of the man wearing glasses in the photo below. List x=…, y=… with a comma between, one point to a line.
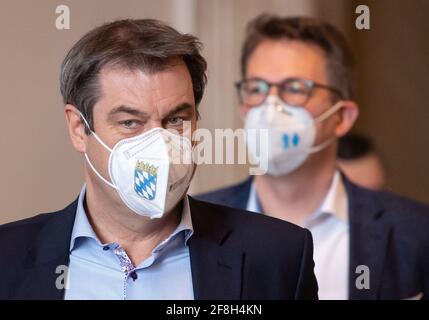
x=297, y=84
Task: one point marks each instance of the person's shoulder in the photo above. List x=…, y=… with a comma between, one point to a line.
x=17, y=237
x=25, y=225
x=228, y=194
x=221, y=191
x=390, y=202
x=402, y=212
x=398, y=203
x=20, y=234
x=255, y=229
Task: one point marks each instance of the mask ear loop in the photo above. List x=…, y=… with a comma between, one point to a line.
x=95, y=135
x=321, y=146
x=87, y=158
x=321, y=118
x=329, y=112
x=99, y=175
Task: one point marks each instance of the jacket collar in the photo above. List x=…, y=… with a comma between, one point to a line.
x=216, y=266
x=370, y=235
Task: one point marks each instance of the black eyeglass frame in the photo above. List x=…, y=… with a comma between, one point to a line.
x=310, y=84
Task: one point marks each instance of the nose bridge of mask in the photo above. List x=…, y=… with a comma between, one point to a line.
x=275, y=106
x=269, y=113
x=139, y=143
x=277, y=113
x=170, y=150
x=147, y=147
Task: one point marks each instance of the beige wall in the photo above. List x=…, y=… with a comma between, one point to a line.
x=41, y=172
x=394, y=93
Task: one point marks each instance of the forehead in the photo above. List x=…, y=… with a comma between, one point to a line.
x=275, y=60
x=172, y=85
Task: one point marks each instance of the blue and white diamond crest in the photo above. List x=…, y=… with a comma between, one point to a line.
x=145, y=175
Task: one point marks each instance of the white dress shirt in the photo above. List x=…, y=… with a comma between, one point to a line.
x=330, y=230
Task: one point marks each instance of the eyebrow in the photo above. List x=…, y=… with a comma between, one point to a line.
x=181, y=107
x=127, y=109
x=139, y=113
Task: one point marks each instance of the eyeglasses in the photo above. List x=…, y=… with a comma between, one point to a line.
x=293, y=91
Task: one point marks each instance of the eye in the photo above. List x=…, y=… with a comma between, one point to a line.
x=129, y=124
x=175, y=121
x=255, y=87
x=297, y=87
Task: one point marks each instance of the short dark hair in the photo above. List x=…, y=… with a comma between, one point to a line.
x=146, y=44
x=340, y=61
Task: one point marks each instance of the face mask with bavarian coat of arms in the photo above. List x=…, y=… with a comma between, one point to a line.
x=151, y=171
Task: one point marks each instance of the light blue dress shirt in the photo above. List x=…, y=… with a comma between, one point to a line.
x=104, y=271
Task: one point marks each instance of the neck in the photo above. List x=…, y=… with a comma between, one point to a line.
x=112, y=221
x=295, y=196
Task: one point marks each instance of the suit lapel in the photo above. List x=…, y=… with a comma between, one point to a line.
x=370, y=236
x=47, y=259
x=216, y=268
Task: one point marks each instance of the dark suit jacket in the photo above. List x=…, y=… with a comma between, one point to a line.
x=388, y=233
x=234, y=255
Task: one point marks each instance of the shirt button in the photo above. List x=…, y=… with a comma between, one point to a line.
x=133, y=275
x=105, y=248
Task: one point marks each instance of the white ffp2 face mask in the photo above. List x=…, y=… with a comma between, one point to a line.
x=291, y=134
x=151, y=172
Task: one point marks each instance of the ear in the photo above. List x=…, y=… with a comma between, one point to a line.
x=349, y=114
x=76, y=128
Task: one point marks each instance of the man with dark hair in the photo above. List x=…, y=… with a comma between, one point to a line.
x=129, y=88
x=360, y=162
x=297, y=85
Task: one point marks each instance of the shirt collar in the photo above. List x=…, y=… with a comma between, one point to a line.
x=253, y=203
x=83, y=229
x=335, y=202
x=185, y=225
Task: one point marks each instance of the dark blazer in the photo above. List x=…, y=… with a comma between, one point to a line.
x=234, y=255
x=388, y=233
